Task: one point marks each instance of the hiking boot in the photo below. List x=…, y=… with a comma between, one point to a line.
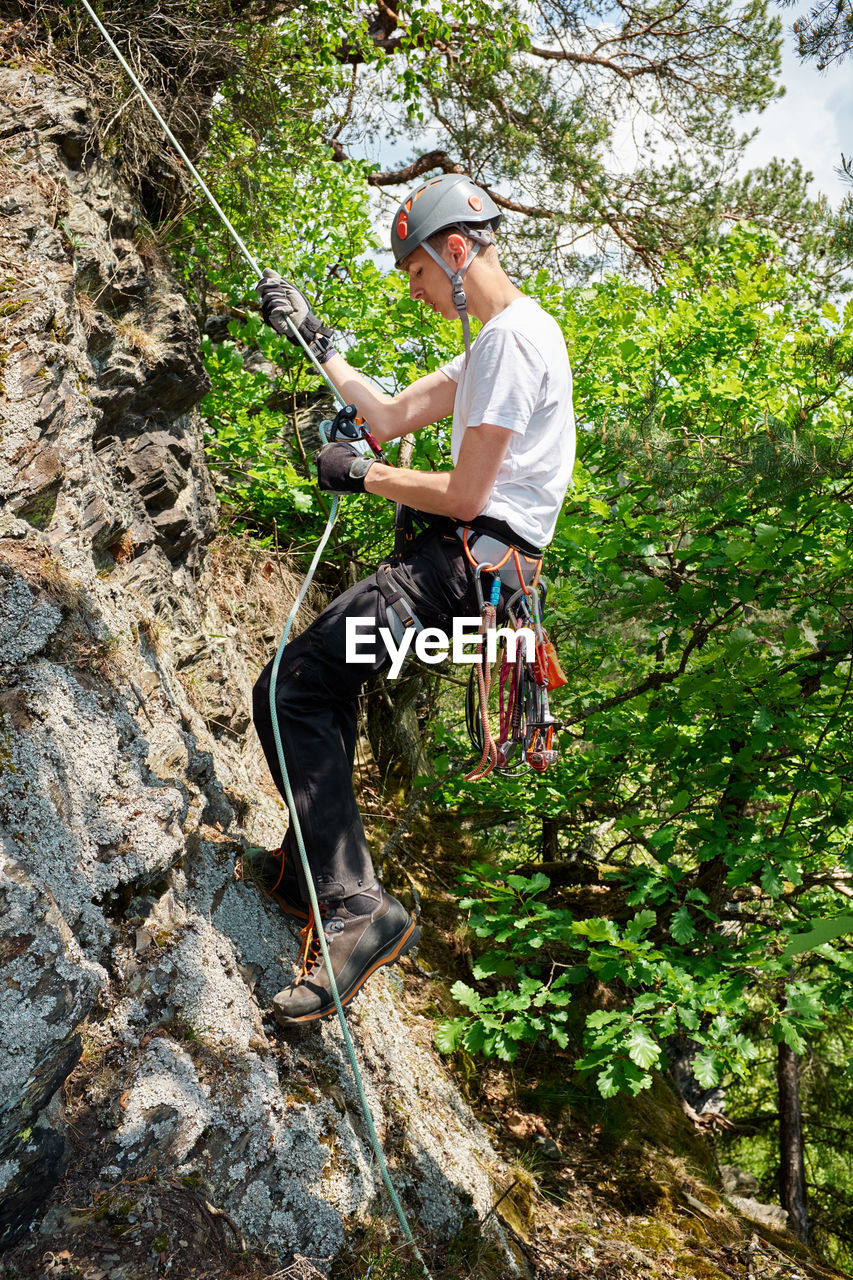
x=274, y=873
x=363, y=933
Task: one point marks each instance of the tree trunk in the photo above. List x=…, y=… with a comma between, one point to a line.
x=550, y=839
x=792, y=1170
x=396, y=736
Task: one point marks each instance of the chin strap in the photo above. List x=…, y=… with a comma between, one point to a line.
x=482, y=239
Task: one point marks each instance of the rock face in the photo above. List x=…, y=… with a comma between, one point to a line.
x=130, y=776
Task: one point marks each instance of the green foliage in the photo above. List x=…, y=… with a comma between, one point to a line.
x=825, y=33
x=702, y=599
x=247, y=442
x=319, y=232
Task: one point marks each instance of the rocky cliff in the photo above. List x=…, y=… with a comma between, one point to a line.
x=137, y=967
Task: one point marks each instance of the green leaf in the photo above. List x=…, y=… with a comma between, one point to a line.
x=771, y=880
x=493, y=963
x=682, y=929
x=465, y=996
x=679, y=803
x=474, y=1037
x=653, y=589
x=787, y=1030
x=596, y=929
x=610, y=1080
x=529, y=885
x=603, y=1017
x=821, y=932
x=738, y=640
x=448, y=1035
x=706, y=1069
x=642, y=1049
x=642, y=922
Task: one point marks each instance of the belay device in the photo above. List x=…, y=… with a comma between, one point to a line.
x=525, y=733
x=347, y=425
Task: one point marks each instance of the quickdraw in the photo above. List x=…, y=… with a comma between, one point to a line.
x=525, y=734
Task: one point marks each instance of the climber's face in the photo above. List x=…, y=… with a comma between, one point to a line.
x=429, y=283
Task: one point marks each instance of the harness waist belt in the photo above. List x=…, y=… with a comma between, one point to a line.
x=489, y=544
x=506, y=533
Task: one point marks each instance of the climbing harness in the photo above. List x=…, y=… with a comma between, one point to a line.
x=525, y=734
x=316, y=912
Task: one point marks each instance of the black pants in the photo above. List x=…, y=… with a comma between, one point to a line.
x=317, y=697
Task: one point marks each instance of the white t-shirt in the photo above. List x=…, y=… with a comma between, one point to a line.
x=519, y=377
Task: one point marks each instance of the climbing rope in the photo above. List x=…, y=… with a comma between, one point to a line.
x=315, y=906
x=297, y=830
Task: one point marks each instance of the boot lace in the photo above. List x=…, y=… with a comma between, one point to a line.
x=311, y=956
x=280, y=856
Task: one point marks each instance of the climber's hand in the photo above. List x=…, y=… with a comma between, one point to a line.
x=280, y=301
x=341, y=468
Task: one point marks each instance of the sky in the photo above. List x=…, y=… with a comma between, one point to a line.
x=813, y=122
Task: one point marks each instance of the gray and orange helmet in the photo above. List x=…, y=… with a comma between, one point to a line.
x=452, y=202
x=449, y=203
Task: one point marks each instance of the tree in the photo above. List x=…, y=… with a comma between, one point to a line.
x=607, y=133
x=703, y=605
x=792, y=1165
x=825, y=1084
x=825, y=33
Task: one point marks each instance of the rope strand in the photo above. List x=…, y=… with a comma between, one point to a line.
x=253, y=263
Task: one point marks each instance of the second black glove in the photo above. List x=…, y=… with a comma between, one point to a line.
x=341, y=468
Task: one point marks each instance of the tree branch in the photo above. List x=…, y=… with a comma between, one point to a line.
x=425, y=164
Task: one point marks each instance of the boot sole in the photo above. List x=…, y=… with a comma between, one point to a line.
x=410, y=938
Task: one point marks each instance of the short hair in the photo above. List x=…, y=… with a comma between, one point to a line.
x=438, y=240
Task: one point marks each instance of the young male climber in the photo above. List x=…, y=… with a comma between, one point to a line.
x=512, y=447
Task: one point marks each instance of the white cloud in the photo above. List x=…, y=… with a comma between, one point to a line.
x=812, y=123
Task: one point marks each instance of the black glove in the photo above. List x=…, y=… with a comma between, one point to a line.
x=280, y=299
x=341, y=468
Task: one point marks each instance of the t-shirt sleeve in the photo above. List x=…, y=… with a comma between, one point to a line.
x=454, y=369
x=507, y=376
